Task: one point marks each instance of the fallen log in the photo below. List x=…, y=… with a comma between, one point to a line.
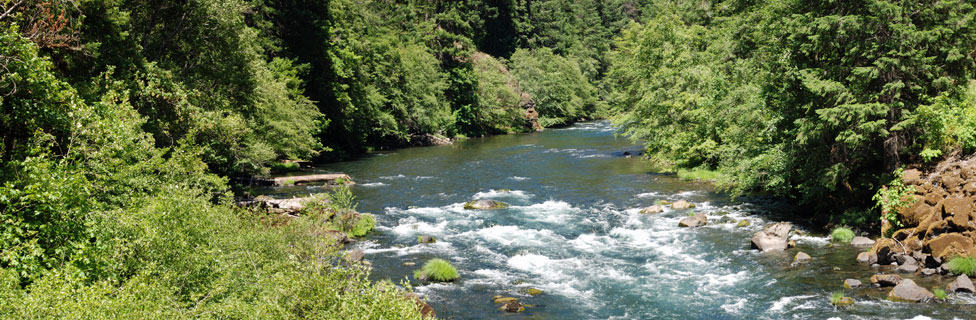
x=331, y=178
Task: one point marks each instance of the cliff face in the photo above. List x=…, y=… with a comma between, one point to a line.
x=940, y=221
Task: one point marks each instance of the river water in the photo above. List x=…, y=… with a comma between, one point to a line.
x=573, y=230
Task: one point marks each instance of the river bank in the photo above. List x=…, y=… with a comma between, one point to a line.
x=574, y=230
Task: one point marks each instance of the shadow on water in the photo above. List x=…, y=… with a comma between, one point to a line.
x=573, y=230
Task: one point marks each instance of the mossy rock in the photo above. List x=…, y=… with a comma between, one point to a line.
x=485, y=205
x=743, y=223
x=534, y=291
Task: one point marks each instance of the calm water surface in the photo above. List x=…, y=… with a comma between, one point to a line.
x=574, y=231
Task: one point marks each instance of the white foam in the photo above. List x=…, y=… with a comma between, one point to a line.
x=550, y=211
x=784, y=301
x=648, y=195
x=372, y=184
x=399, y=176
x=811, y=239
x=515, y=236
x=491, y=194
x=734, y=307
x=423, y=228
x=591, y=243
x=517, y=178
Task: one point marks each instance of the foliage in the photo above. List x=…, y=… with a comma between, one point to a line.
x=842, y=234
x=437, y=270
x=962, y=265
x=364, y=225
x=893, y=197
x=556, y=84
x=341, y=197
x=835, y=297
x=699, y=175
x=940, y=294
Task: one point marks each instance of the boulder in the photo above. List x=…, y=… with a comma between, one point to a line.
x=862, y=242
x=961, y=284
x=908, y=291
x=743, y=223
x=905, y=260
x=852, y=283
x=774, y=237
x=949, y=245
x=959, y=210
x=534, y=291
x=886, y=280
x=867, y=258
x=485, y=205
x=426, y=239
x=928, y=272
x=906, y=269
x=501, y=299
x=801, y=257
x=695, y=221
x=653, y=209
x=681, y=205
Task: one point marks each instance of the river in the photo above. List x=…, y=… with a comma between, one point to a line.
x=574, y=232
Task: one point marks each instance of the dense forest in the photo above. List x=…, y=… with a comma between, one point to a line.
x=123, y=122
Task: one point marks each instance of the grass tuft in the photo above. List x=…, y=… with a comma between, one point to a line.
x=437, y=270
x=699, y=175
x=835, y=297
x=940, y=294
x=960, y=265
x=842, y=234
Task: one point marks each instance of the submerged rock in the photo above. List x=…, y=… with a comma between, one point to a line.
x=961, y=284
x=502, y=299
x=512, y=306
x=652, y=209
x=852, y=283
x=907, y=290
x=862, y=242
x=774, y=237
x=681, y=205
x=485, y=205
x=695, y=221
x=886, y=280
x=801, y=257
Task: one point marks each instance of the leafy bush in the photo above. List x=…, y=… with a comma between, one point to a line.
x=891, y=198
x=437, y=270
x=364, y=225
x=962, y=265
x=842, y=234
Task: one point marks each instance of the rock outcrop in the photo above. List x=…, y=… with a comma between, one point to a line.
x=774, y=237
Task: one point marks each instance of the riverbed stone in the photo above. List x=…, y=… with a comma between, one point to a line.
x=908, y=291
x=961, y=284
x=928, y=272
x=867, y=258
x=774, y=237
x=681, y=205
x=862, y=242
x=801, y=257
x=886, y=280
x=695, y=221
x=653, y=209
x=512, y=306
x=852, y=283
x=906, y=269
x=485, y=205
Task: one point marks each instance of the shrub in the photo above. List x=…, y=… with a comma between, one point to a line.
x=842, y=234
x=961, y=265
x=939, y=293
x=364, y=225
x=699, y=175
x=437, y=270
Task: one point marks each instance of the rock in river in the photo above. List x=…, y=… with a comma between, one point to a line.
x=867, y=258
x=485, y=205
x=652, y=209
x=681, y=205
x=907, y=290
x=774, y=237
x=862, y=242
x=801, y=257
x=886, y=280
x=852, y=283
x=697, y=220
x=961, y=284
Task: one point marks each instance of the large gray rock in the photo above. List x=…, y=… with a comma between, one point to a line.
x=961, y=284
x=695, y=221
x=906, y=269
x=801, y=257
x=862, y=242
x=485, y=205
x=852, y=283
x=907, y=290
x=774, y=237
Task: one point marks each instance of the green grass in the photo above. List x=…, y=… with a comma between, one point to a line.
x=835, y=297
x=940, y=294
x=699, y=175
x=437, y=270
x=842, y=234
x=960, y=265
x=285, y=167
